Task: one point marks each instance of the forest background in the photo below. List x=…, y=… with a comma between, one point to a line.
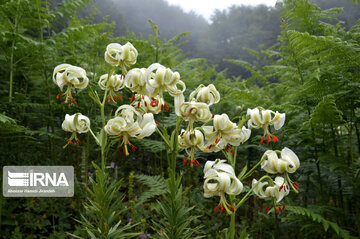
x=300, y=57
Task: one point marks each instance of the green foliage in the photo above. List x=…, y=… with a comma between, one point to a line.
x=103, y=209
x=308, y=213
x=155, y=184
x=177, y=219
x=326, y=112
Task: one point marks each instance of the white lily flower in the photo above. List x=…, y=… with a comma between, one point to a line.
x=71, y=76
x=224, y=132
x=220, y=179
x=117, y=54
x=76, y=123
x=163, y=80
x=152, y=105
x=206, y=94
x=289, y=161
x=136, y=82
x=263, y=118
x=191, y=140
x=191, y=111
x=115, y=83
x=279, y=190
x=128, y=122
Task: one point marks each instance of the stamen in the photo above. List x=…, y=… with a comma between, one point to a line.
x=184, y=162
x=277, y=210
x=157, y=123
x=215, y=210
x=232, y=208
x=275, y=139
x=267, y=141
x=120, y=97
x=217, y=140
x=221, y=208
x=267, y=209
x=138, y=105
x=145, y=103
x=268, y=136
x=70, y=141
x=162, y=107
x=166, y=107
x=133, y=148
x=262, y=140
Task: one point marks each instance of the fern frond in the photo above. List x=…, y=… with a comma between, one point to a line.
x=319, y=219
x=155, y=184
x=326, y=112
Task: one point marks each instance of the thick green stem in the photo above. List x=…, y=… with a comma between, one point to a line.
x=232, y=225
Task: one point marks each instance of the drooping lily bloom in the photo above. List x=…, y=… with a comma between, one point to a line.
x=289, y=161
x=191, y=111
x=220, y=178
x=76, y=123
x=72, y=77
x=263, y=118
x=190, y=140
x=152, y=105
x=128, y=122
x=115, y=83
x=206, y=94
x=224, y=132
x=160, y=79
x=279, y=190
x=136, y=82
x=117, y=54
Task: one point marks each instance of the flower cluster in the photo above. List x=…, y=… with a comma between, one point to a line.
x=221, y=135
x=217, y=132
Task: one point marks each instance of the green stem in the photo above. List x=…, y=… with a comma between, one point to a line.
x=102, y=110
x=12, y=68
x=232, y=225
x=277, y=230
x=250, y=191
x=253, y=169
x=92, y=133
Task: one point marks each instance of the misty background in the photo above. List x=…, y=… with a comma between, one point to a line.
x=226, y=35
